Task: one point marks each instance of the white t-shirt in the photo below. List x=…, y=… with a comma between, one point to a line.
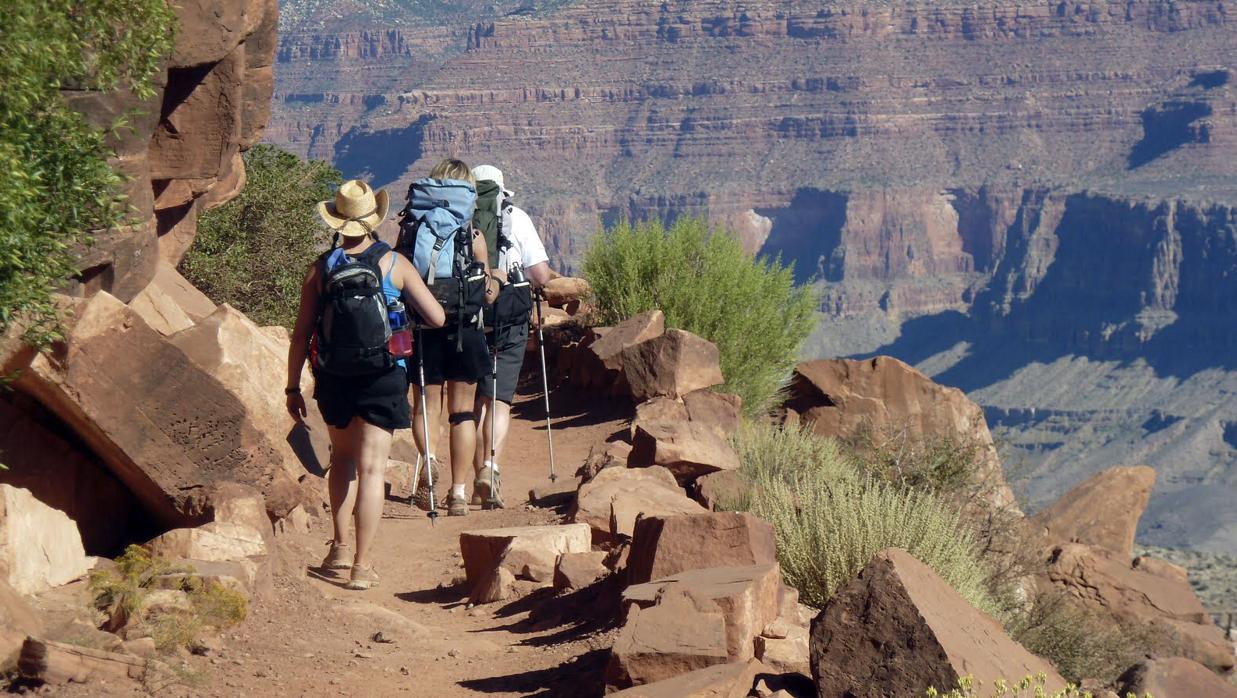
x=526, y=246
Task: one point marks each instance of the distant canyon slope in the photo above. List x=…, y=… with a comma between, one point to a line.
x=1033, y=201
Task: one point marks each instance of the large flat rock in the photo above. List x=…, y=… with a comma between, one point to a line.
x=164, y=426
x=678, y=635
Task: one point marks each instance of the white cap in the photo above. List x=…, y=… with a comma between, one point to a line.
x=484, y=172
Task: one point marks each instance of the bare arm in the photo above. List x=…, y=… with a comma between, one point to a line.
x=541, y=273
x=298, y=348
x=416, y=294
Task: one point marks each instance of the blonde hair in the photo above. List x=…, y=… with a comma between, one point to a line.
x=453, y=169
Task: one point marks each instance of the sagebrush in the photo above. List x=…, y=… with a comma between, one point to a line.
x=830, y=521
x=1080, y=643
x=706, y=283
x=58, y=187
x=253, y=251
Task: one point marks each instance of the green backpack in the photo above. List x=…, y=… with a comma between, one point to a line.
x=487, y=218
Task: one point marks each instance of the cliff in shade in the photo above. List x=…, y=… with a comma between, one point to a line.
x=1029, y=200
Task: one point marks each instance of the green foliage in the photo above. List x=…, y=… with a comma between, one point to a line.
x=944, y=464
x=58, y=186
x=830, y=522
x=1027, y=687
x=252, y=251
x=1082, y=645
x=121, y=594
x=766, y=451
x=706, y=283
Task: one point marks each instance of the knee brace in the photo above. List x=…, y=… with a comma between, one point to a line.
x=461, y=417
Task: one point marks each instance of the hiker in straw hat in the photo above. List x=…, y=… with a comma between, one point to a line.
x=362, y=394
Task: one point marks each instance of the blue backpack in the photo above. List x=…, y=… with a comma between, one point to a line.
x=435, y=232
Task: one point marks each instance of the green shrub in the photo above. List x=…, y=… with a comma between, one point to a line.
x=58, y=186
x=769, y=452
x=706, y=283
x=829, y=523
x=1081, y=644
x=252, y=251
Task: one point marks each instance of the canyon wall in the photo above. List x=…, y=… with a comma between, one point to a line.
x=986, y=189
x=180, y=153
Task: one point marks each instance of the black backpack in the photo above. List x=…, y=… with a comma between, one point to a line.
x=353, y=326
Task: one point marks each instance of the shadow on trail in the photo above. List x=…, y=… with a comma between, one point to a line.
x=577, y=614
x=444, y=596
x=569, y=406
x=582, y=677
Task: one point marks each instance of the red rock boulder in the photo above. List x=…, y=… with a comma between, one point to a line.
x=687, y=449
x=1176, y=677
x=1102, y=512
x=598, y=364
x=667, y=545
x=748, y=598
x=1109, y=584
x=162, y=425
x=839, y=397
x=898, y=629
x=672, y=365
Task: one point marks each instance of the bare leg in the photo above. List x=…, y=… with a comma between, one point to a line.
x=375, y=448
x=502, y=422
x=502, y=419
x=480, y=409
x=341, y=481
x=463, y=434
x=433, y=399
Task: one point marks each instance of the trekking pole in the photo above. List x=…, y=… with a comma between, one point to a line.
x=425, y=425
x=545, y=383
x=493, y=421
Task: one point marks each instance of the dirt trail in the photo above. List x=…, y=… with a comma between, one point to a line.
x=312, y=637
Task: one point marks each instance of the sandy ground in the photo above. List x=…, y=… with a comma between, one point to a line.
x=414, y=635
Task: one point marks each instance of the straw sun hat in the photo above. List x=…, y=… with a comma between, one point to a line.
x=356, y=210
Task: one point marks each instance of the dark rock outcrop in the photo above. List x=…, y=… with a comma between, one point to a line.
x=898, y=629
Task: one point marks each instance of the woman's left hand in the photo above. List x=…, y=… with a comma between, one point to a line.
x=296, y=407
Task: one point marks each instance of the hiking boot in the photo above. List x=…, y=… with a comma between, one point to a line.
x=338, y=558
x=421, y=498
x=363, y=577
x=457, y=505
x=489, y=491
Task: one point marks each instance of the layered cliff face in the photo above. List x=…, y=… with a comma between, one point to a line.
x=1000, y=192
x=181, y=151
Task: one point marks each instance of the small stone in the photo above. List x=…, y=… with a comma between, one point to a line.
x=453, y=652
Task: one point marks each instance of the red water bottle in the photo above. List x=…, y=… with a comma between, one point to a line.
x=400, y=343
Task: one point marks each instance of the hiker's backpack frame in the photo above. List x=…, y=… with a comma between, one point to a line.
x=437, y=220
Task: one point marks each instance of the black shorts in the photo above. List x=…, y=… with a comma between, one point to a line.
x=381, y=400
x=512, y=343
x=442, y=361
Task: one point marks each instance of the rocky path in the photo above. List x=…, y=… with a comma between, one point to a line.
x=414, y=634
